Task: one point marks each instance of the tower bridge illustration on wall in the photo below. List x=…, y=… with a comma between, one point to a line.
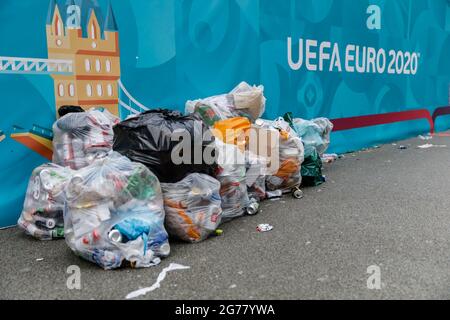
x=84, y=63
x=83, y=60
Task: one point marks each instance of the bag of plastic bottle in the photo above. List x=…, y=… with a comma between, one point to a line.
x=81, y=137
x=291, y=156
x=243, y=101
x=114, y=214
x=156, y=137
x=193, y=207
x=231, y=175
x=42, y=214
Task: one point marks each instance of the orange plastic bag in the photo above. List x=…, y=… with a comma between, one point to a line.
x=288, y=168
x=233, y=131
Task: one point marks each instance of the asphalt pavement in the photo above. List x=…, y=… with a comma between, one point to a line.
x=382, y=207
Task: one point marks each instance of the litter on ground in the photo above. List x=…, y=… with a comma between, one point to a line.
x=429, y=145
x=264, y=227
x=425, y=137
x=157, y=284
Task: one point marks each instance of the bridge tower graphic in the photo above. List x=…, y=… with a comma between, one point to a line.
x=84, y=62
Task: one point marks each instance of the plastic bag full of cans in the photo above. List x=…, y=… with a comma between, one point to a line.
x=232, y=177
x=114, y=214
x=243, y=101
x=79, y=138
x=42, y=215
x=291, y=156
x=256, y=172
x=315, y=134
x=193, y=207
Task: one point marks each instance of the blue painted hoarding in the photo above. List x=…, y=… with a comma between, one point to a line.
x=378, y=68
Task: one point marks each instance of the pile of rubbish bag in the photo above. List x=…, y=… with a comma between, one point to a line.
x=116, y=191
x=114, y=213
x=81, y=137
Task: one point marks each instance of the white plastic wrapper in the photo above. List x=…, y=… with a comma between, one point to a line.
x=243, y=101
x=42, y=215
x=193, y=207
x=114, y=214
x=314, y=134
x=291, y=157
x=80, y=138
x=232, y=178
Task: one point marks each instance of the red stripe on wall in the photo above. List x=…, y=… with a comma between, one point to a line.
x=384, y=118
x=442, y=111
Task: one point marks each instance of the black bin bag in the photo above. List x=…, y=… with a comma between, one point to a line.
x=148, y=138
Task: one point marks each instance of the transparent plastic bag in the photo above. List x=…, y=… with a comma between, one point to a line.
x=114, y=214
x=256, y=167
x=243, y=101
x=212, y=109
x=80, y=138
x=291, y=156
x=249, y=101
x=315, y=134
x=231, y=175
x=193, y=207
x=42, y=214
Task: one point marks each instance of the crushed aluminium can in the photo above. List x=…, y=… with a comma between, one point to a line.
x=253, y=208
x=264, y=227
